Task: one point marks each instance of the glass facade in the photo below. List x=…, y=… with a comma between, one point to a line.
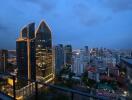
x=68, y=54
x=22, y=60
x=25, y=50
x=31, y=30
x=59, y=58
x=3, y=60
x=44, y=53
x=28, y=31
x=33, y=59
x=24, y=32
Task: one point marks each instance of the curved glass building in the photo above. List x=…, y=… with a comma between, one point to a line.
x=43, y=43
x=25, y=50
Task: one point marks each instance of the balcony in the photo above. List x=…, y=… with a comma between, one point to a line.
x=35, y=90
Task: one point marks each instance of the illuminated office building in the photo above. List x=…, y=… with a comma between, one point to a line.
x=25, y=51
x=43, y=42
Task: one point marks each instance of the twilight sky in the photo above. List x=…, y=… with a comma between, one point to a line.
x=96, y=23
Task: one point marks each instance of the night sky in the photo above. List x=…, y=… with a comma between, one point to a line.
x=96, y=23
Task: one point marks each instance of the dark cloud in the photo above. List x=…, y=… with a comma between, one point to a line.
x=125, y=42
x=4, y=27
x=87, y=17
x=90, y=20
x=45, y=5
x=80, y=16
x=7, y=38
x=118, y=5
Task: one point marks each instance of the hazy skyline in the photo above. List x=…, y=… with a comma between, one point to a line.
x=96, y=23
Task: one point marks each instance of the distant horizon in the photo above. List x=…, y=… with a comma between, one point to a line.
x=74, y=48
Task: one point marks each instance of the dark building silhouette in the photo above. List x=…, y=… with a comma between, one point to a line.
x=59, y=58
x=25, y=51
x=86, y=55
x=86, y=50
x=28, y=31
x=68, y=54
x=3, y=60
x=43, y=44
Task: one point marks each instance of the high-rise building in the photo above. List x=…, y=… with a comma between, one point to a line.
x=68, y=54
x=81, y=59
x=44, y=59
x=59, y=58
x=25, y=51
x=3, y=60
x=86, y=50
x=86, y=55
x=78, y=65
x=28, y=31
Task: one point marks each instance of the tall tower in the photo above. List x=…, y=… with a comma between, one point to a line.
x=86, y=55
x=43, y=44
x=68, y=54
x=59, y=58
x=25, y=51
x=3, y=60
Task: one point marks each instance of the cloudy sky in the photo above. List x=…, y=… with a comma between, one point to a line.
x=96, y=23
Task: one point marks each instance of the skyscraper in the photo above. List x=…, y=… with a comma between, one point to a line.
x=43, y=44
x=3, y=60
x=86, y=55
x=68, y=54
x=25, y=51
x=28, y=31
x=78, y=63
x=86, y=50
x=59, y=58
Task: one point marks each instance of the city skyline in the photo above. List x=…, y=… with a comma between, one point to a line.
x=94, y=23
x=66, y=50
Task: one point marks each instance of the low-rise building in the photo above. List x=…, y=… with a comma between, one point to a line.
x=127, y=63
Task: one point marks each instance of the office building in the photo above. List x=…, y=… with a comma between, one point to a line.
x=127, y=63
x=86, y=50
x=25, y=51
x=59, y=58
x=43, y=43
x=68, y=55
x=28, y=31
x=78, y=65
x=80, y=61
x=86, y=55
x=3, y=60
